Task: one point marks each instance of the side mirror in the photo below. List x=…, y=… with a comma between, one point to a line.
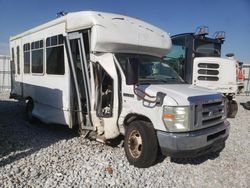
x=132, y=72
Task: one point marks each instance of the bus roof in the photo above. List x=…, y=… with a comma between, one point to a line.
x=112, y=32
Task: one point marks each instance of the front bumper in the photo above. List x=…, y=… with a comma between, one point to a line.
x=196, y=143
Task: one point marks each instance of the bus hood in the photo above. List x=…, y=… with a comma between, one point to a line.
x=183, y=94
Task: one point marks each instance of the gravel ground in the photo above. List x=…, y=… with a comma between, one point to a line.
x=42, y=155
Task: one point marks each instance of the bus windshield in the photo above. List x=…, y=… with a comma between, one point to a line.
x=152, y=70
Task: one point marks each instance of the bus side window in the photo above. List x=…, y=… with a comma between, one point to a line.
x=26, y=58
x=13, y=67
x=37, y=57
x=18, y=59
x=55, y=55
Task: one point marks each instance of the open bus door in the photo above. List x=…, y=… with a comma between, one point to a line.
x=80, y=78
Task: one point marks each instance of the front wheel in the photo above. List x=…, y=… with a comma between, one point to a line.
x=141, y=146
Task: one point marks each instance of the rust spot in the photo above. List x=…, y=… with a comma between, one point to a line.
x=109, y=170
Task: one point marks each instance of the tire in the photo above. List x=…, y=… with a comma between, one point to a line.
x=29, y=109
x=232, y=109
x=140, y=145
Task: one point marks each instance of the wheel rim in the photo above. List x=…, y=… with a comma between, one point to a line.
x=135, y=144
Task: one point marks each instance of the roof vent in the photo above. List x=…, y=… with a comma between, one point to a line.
x=100, y=16
x=61, y=13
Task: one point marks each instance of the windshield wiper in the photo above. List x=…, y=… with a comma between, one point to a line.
x=163, y=80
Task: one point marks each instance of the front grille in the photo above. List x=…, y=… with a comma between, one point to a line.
x=212, y=113
x=208, y=71
x=208, y=65
x=208, y=114
x=208, y=78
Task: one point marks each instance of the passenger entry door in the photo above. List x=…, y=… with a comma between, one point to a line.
x=80, y=77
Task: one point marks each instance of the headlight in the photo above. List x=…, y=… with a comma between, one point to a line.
x=176, y=118
x=224, y=110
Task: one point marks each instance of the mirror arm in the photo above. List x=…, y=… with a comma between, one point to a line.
x=158, y=98
x=142, y=97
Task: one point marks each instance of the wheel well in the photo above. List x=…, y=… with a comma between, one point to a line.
x=132, y=117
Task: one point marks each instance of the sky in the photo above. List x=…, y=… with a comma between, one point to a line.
x=173, y=16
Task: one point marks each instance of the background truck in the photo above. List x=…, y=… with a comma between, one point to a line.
x=239, y=72
x=104, y=74
x=197, y=59
x=246, y=73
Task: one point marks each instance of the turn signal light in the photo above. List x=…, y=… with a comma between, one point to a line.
x=168, y=117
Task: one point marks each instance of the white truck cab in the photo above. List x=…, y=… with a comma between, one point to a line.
x=104, y=74
x=197, y=59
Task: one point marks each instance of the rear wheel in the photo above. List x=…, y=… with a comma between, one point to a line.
x=140, y=144
x=29, y=109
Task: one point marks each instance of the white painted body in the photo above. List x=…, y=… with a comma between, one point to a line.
x=110, y=34
x=177, y=95
x=226, y=83
x=49, y=92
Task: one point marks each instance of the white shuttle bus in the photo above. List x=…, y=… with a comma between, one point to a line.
x=104, y=74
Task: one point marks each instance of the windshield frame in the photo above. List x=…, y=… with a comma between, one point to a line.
x=153, y=79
